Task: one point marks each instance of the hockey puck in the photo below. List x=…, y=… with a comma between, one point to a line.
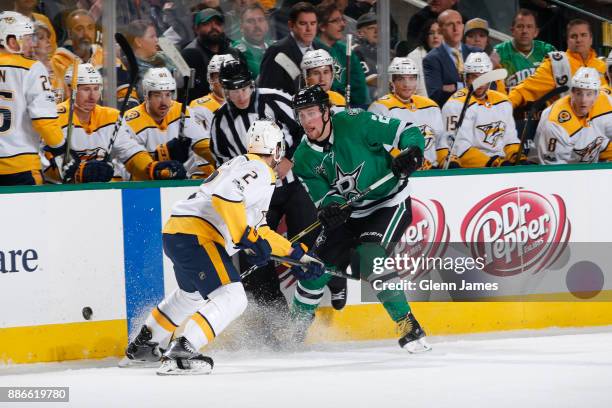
x=87, y=312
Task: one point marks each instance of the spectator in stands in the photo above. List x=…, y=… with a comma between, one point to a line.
x=41, y=51
x=280, y=67
x=365, y=48
x=559, y=67
x=81, y=29
x=476, y=34
x=523, y=54
x=351, y=23
x=356, y=8
x=608, y=88
x=254, y=27
x=429, y=38
x=180, y=21
x=330, y=35
x=143, y=39
x=27, y=7
x=443, y=66
x=210, y=40
x=431, y=11
x=233, y=17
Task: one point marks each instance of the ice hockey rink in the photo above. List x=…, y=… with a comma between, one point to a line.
x=543, y=368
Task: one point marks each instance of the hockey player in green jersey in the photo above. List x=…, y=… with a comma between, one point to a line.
x=345, y=153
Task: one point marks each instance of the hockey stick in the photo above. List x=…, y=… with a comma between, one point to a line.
x=535, y=107
x=486, y=78
x=133, y=74
x=186, y=72
x=73, y=95
x=349, y=51
x=293, y=262
x=350, y=201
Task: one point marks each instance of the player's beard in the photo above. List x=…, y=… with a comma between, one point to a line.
x=213, y=38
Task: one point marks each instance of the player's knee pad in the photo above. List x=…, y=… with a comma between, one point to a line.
x=366, y=257
x=226, y=304
x=180, y=304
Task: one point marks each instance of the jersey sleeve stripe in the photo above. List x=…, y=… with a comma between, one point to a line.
x=226, y=199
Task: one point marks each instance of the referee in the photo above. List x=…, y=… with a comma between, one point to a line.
x=245, y=104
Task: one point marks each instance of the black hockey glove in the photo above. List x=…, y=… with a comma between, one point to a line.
x=92, y=171
x=315, y=267
x=52, y=152
x=167, y=170
x=257, y=249
x=332, y=216
x=405, y=163
x=175, y=149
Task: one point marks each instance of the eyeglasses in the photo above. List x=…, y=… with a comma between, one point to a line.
x=336, y=20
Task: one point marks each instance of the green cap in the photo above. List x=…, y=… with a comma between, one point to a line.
x=206, y=15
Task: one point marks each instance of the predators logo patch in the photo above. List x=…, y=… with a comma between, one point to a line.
x=428, y=134
x=492, y=132
x=564, y=116
x=61, y=109
x=590, y=154
x=132, y=115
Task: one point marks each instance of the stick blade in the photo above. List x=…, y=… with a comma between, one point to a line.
x=175, y=56
x=491, y=76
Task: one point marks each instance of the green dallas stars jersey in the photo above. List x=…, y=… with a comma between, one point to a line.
x=356, y=156
x=519, y=65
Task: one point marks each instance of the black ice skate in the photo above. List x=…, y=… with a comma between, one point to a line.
x=337, y=288
x=142, y=351
x=181, y=358
x=413, y=336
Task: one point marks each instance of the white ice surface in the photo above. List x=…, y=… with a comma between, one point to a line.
x=549, y=368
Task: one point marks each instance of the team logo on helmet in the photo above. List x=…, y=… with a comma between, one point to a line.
x=517, y=231
x=493, y=132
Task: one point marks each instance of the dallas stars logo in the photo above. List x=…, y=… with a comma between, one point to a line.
x=338, y=70
x=492, y=132
x=346, y=183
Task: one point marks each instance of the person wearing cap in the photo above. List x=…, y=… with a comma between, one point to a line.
x=578, y=127
x=443, y=66
x=210, y=40
x=365, y=48
x=476, y=34
x=254, y=28
x=607, y=88
x=559, y=67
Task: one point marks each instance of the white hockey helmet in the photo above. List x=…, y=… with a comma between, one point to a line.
x=158, y=79
x=86, y=75
x=265, y=137
x=402, y=66
x=477, y=63
x=214, y=66
x=315, y=59
x=586, y=78
x=14, y=24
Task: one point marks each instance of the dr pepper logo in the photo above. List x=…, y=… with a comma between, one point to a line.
x=517, y=230
x=426, y=236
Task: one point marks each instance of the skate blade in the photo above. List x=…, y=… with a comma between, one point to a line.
x=128, y=363
x=418, y=346
x=169, y=367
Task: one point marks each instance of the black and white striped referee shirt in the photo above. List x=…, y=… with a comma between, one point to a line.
x=228, y=131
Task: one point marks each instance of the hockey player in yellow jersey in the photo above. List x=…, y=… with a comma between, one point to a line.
x=90, y=143
x=155, y=124
x=487, y=137
x=226, y=215
x=318, y=68
x=204, y=108
x=578, y=127
x=402, y=103
x=559, y=67
x=27, y=105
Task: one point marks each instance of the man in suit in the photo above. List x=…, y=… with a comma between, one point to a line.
x=443, y=66
x=280, y=67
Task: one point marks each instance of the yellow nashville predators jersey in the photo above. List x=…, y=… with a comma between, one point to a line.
x=148, y=133
x=235, y=196
x=337, y=101
x=203, y=109
x=27, y=113
x=421, y=111
x=562, y=137
x=488, y=128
